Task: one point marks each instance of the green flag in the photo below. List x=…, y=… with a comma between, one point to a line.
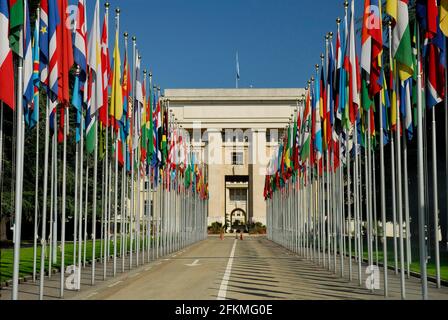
x=306, y=145
x=16, y=22
x=402, y=49
x=151, y=150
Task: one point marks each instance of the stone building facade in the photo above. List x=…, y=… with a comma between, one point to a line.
x=235, y=131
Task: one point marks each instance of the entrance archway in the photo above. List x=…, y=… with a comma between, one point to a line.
x=238, y=219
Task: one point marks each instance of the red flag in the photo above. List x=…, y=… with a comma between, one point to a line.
x=433, y=16
x=105, y=63
x=376, y=34
x=65, y=62
x=6, y=63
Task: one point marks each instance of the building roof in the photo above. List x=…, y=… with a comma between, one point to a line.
x=280, y=94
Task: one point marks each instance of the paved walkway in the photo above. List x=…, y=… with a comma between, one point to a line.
x=252, y=269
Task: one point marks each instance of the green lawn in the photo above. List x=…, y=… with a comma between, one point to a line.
x=415, y=264
x=26, y=258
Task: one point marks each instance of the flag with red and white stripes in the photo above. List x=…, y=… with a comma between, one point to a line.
x=6, y=63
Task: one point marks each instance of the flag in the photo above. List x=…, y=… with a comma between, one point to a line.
x=287, y=154
x=317, y=133
x=164, y=145
x=391, y=8
x=444, y=17
x=406, y=107
x=376, y=33
x=306, y=129
x=138, y=103
x=366, y=40
x=49, y=55
x=116, y=99
x=144, y=123
x=77, y=103
x=126, y=89
x=65, y=49
x=95, y=79
x=16, y=23
x=28, y=88
x=80, y=58
x=237, y=66
x=151, y=127
x=351, y=67
x=385, y=104
x=105, y=63
x=401, y=44
x=123, y=123
x=94, y=62
x=65, y=62
x=6, y=62
x=329, y=112
x=80, y=43
x=158, y=133
x=339, y=98
x=34, y=115
x=435, y=76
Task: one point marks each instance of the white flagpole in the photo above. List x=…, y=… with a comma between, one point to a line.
x=19, y=180
x=36, y=198
x=44, y=210
x=446, y=146
x=400, y=197
x=86, y=212
x=36, y=190
x=117, y=26
x=54, y=234
x=394, y=193
x=138, y=186
x=106, y=206
x=124, y=191
x=383, y=198
x=421, y=178
x=52, y=199
x=64, y=189
x=131, y=225
x=435, y=198
x=81, y=177
x=1, y=142
x=75, y=220
x=406, y=207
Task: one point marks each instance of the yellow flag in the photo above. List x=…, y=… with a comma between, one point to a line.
x=391, y=8
x=116, y=103
x=444, y=17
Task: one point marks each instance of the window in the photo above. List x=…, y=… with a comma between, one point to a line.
x=268, y=136
x=145, y=208
x=238, y=195
x=237, y=158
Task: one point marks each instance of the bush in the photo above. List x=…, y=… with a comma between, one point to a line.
x=215, y=228
x=257, y=228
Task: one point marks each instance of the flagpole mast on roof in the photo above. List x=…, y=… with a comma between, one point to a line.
x=237, y=70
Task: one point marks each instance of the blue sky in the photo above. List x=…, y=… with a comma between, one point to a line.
x=193, y=43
